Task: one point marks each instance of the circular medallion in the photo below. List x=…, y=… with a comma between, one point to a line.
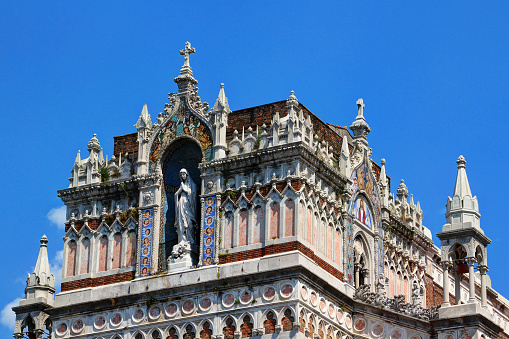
x=449, y=336
x=205, y=304
x=138, y=315
x=99, y=322
x=246, y=297
x=348, y=321
x=188, y=306
x=77, y=326
x=228, y=300
x=378, y=330
x=154, y=312
x=171, y=310
x=116, y=319
x=304, y=293
x=466, y=335
x=286, y=291
x=313, y=298
x=339, y=316
x=331, y=311
x=62, y=329
x=397, y=334
x=269, y=293
x=323, y=305
x=360, y=324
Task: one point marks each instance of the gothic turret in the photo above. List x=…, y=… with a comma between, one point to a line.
x=220, y=113
x=463, y=242
x=143, y=125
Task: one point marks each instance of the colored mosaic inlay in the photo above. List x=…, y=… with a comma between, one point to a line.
x=396, y=334
x=269, y=293
x=171, y=310
x=205, y=304
x=209, y=230
x=77, y=326
x=117, y=319
x=62, y=328
x=378, y=330
x=228, y=300
x=99, y=322
x=360, y=324
x=188, y=306
x=184, y=122
x=287, y=290
x=146, y=241
x=138, y=315
x=155, y=312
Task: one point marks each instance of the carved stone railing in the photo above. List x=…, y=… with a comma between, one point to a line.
x=396, y=304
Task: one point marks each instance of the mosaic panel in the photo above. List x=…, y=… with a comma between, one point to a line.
x=146, y=241
x=209, y=230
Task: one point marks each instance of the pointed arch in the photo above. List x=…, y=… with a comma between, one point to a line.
x=71, y=258
x=206, y=330
x=103, y=253
x=229, y=328
x=246, y=328
x=269, y=324
x=288, y=319
x=289, y=218
x=85, y=256
x=243, y=227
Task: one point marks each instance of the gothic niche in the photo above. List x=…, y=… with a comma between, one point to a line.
x=361, y=261
x=185, y=154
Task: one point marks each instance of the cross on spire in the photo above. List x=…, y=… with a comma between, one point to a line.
x=360, y=108
x=186, y=52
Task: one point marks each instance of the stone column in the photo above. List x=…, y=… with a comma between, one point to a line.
x=457, y=288
x=357, y=275
x=471, y=279
x=446, y=265
x=483, y=269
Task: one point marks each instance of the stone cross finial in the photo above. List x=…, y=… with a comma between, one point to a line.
x=186, y=52
x=360, y=107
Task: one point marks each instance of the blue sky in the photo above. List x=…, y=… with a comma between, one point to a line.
x=434, y=78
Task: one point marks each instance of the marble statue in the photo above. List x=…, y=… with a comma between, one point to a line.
x=185, y=209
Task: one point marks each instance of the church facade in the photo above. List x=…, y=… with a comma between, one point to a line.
x=263, y=222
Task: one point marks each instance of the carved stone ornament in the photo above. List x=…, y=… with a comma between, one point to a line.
x=148, y=198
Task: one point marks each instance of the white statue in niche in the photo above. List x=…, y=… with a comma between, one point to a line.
x=185, y=213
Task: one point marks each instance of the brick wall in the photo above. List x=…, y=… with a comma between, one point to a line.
x=100, y=281
x=127, y=143
x=281, y=248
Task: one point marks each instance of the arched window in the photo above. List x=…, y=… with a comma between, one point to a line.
x=338, y=243
x=259, y=227
x=117, y=251
x=302, y=321
x=229, y=329
x=270, y=323
x=398, y=283
x=311, y=326
x=274, y=221
x=156, y=334
x=287, y=321
x=290, y=218
x=172, y=334
x=243, y=230
x=228, y=230
x=246, y=329
x=206, y=332
x=103, y=254
x=302, y=220
x=85, y=256
x=189, y=334
x=329, y=241
x=71, y=258
x=309, y=225
x=321, y=329
x=130, y=250
x=392, y=283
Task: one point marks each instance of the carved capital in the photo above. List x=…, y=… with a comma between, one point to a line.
x=483, y=269
x=446, y=265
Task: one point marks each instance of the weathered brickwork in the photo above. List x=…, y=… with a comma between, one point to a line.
x=281, y=248
x=100, y=281
x=127, y=143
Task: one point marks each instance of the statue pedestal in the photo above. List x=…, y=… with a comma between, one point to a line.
x=181, y=258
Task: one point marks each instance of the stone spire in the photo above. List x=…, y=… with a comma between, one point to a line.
x=219, y=119
x=41, y=283
x=360, y=127
x=221, y=104
x=462, y=208
x=185, y=80
x=144, y=120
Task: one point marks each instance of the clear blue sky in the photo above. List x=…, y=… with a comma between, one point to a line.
x=434, y=78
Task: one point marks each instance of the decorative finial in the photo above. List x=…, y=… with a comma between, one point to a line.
x=93, y=144
x=359, y=127
x=222, y=85
x=461, y=161
x=44, y=240
x=382, y=161
x=292, y=100
x=186, y=52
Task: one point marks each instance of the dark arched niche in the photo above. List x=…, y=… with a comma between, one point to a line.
x=185, y=154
